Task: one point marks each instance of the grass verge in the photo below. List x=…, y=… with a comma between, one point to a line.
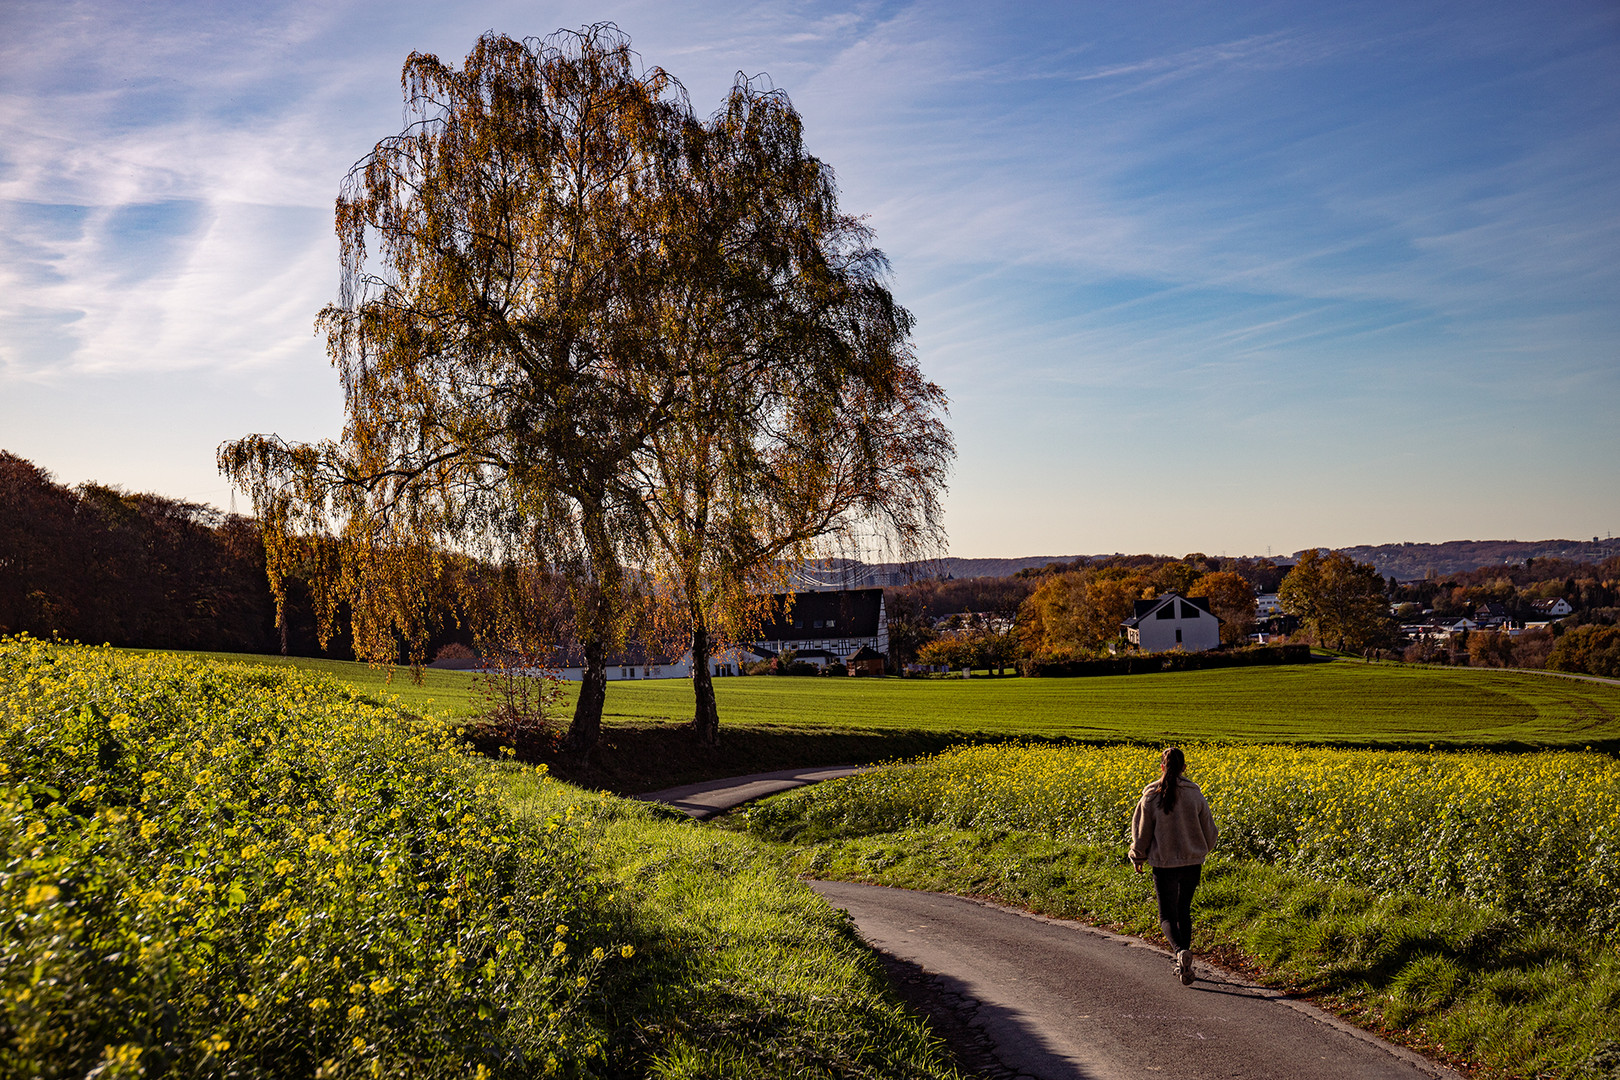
x=741, y=970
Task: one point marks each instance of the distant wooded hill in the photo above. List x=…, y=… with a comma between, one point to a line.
x=1408, y=561
x=1404, y=561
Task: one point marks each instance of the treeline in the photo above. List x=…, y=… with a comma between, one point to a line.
x=1415, y=560
x=1064, y=612
x=1585, y=641
x=1591, y=589
x=101, y=565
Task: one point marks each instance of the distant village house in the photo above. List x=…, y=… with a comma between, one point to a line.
x=1173, y=621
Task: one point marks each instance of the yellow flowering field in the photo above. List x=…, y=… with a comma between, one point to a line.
x=1533, y=834
x=225, y=871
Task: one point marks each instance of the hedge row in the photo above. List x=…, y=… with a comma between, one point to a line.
x=1148, y=663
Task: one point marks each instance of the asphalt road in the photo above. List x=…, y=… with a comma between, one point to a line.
x=711, y=797
x=1055, y=1000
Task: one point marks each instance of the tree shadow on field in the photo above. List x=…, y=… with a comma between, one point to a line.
x=634, y=758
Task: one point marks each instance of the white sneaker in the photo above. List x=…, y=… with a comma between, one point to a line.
x=1184, y=966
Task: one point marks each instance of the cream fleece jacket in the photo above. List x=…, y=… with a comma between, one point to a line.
x=1183, y=837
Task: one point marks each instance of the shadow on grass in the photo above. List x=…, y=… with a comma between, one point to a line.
x=648, y=757
x=636, y=758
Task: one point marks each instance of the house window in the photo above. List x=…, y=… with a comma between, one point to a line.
x=1166, y=612
x=1178, y=635
x=1188, y=611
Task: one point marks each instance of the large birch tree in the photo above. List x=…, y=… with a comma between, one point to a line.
x=491, y=339
x=803, y=424
x=583, y=334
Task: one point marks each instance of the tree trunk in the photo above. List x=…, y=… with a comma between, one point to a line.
x=281, y=624
x=706, y=714
x=586, y=729
x=592, y=631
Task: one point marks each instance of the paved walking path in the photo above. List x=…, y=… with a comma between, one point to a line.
x=713, y=797
x=1055, y=1000
x=1034, y=998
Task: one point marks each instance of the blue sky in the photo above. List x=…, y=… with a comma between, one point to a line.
x=1216, y=277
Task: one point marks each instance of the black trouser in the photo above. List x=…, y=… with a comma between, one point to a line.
x=1175, y=887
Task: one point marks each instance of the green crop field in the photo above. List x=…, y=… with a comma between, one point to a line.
x=1343, y=702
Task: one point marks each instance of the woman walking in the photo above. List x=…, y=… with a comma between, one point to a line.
x=1173, y=831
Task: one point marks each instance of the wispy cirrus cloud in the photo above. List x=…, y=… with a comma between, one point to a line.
x=1334, y=225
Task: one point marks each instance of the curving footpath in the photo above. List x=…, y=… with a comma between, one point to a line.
x=1050, y=999
x=713, y=797
x=1028, y=997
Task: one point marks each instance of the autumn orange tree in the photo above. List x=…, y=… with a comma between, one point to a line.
x=1339, y=600
x=802, y=424
x=1232, y=600
x=1079, y=611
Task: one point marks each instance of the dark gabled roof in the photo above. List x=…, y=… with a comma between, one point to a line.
x=1144, y=608
x=866, y=653
x=853, y=612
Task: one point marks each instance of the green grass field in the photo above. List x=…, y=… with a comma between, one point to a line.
x=1342, y=702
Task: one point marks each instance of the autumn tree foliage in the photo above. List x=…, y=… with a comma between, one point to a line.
x=1232, y=600
x=1078, y=612
x=1339, y=601
x=99, y=564
x=585, y=335
x=490, y=342
x=802, y=425
x=1592, y=650
x=1490, y=649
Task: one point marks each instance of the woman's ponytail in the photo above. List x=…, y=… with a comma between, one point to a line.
x=1175, y=763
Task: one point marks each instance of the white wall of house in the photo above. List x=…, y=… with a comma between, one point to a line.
x=679, y=669
x=721, y=665
x=1190, y=630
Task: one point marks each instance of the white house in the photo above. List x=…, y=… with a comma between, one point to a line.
x=821, y=628
x=827, y=627
x=631, y=664
x=1554, y=608
x=1172, y=621
x=641, y=665
x=1266, y=605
